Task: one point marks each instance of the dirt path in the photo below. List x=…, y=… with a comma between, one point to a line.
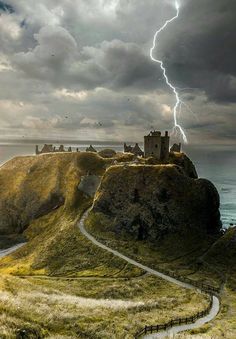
x=4, y=253
x=176, y=329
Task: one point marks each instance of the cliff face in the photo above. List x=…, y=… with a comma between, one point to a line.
x=151, y=201
x=183, y=161
x=42, y=196
x=179, y=159
x=31, y=187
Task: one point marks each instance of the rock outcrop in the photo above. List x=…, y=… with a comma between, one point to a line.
x=150, y=201
x=183, y=161
x=176, y=158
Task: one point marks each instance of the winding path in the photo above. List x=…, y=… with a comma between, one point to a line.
x=176, y=329
x=4, y=253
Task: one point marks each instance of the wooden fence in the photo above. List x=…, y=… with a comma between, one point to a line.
x=175, y=322
x=200, y=285
x=211, y=290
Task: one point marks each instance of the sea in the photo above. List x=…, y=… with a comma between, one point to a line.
x=218, y=165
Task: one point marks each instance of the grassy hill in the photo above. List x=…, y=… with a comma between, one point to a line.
x=59, y=285
x=31, y=187
x=40, y=200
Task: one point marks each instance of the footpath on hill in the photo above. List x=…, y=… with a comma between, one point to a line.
x=4, y=253
x=175, y=329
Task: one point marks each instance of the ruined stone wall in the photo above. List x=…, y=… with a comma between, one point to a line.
x=152, y=146
x=165, y=145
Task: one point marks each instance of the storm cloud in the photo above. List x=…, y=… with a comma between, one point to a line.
x=82, y=69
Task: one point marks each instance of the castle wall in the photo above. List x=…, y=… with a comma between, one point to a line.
x=152, y=146
x=165, y=146
x=157, y=146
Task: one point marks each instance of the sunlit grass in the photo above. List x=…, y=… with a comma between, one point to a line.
x=96, y=308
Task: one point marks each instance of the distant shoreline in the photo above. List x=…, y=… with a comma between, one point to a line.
x=24, y=141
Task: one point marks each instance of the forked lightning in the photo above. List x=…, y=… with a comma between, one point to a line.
x=160, y=62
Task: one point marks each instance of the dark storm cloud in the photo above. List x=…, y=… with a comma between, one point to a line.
x=89, y=60
x=113, y=64
x=199, y=49
x=125, y=65
x=5, y=7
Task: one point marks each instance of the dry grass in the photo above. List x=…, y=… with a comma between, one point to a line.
x=111, y=309
x=167, y=256
x=118, y=301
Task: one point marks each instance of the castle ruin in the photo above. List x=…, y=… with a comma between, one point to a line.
x=136, y=150
x=48, y=148
x=176, y=148
x=91, y=149
x=156, y=145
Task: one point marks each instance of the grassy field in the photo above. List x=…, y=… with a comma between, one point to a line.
x=191, y=259
x=87, y=293
x=59, y=285
x=96, y=308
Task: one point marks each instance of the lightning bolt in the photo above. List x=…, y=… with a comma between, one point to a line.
x=160, y=62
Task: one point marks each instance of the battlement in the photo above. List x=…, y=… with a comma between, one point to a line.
x=155, y=134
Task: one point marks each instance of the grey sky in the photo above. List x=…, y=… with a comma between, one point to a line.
x=81, y=69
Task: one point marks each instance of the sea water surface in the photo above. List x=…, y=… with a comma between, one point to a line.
x=217, y=166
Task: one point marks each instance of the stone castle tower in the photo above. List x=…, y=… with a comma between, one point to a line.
x=156, y=145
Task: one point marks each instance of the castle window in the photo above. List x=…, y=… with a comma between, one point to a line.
x=156, y=146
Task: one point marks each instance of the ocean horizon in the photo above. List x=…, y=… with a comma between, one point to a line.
x=218, y=166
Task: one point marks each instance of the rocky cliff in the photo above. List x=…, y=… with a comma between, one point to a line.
x=33, y=186
x=150, y=201
x=147, y=200
x=179, y=159
x=42, y=196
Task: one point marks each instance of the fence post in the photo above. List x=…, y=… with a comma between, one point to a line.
x=179, y=321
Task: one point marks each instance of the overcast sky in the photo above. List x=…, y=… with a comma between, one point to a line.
x=81, y=69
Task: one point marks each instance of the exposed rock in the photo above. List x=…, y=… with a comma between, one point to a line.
x=107, y=153
x=89, y=184
x=151, y=201
x=179, y=159
x=183, y=161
